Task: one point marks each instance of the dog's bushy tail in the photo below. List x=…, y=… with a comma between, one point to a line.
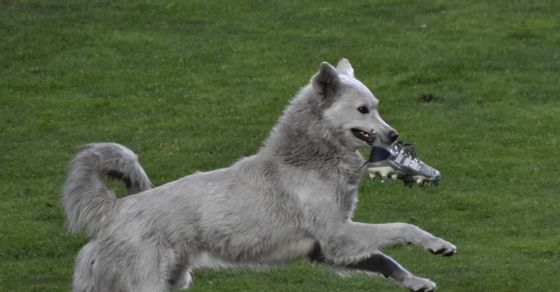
x=88, y=203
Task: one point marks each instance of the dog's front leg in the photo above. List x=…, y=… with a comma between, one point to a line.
x=344, y=241
x=379, y=263
x=347, y=242
x=392, y=234
x=382, y=264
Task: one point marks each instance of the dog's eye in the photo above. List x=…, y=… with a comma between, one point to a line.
x=363, y=109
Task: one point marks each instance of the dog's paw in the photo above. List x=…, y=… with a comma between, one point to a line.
x=439, y=246
x=418, y=284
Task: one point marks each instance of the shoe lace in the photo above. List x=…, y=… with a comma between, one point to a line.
x=408, y=149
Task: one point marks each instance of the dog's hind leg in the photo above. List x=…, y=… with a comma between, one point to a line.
x=379, y=263
x=155, y=269
x=184, y=280
x=131, y=266
x=84, y=276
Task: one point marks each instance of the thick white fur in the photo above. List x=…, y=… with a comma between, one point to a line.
x=297, y=191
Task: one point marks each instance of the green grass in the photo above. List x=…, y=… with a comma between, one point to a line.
x=194, y=85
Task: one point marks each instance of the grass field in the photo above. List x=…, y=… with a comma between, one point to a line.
x=194, y=85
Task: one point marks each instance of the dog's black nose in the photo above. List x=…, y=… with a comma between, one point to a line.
x=393, y=136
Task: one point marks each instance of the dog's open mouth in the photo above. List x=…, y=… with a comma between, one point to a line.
x=363, y=135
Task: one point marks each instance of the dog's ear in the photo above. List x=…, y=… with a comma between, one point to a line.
x=326, y=81
x=344, y=67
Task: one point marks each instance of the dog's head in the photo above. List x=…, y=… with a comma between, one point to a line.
x=350, y=108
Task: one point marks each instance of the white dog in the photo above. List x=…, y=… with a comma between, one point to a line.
x=293, y=199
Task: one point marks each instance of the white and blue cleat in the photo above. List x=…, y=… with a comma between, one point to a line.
x=399, y=161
